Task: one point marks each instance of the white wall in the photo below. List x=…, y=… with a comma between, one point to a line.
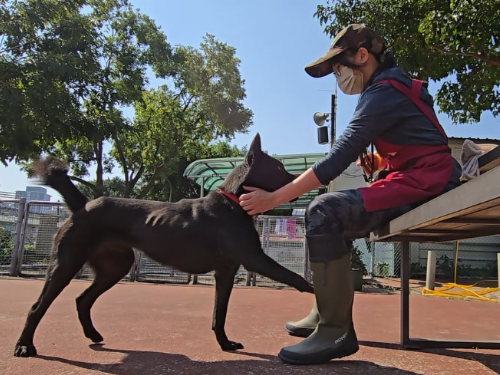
x=352, y=178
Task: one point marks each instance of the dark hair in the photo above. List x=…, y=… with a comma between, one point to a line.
x=386, y=59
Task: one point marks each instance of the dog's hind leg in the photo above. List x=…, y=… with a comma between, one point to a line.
x=58, y=277
x=110, y=266
x=224, y=280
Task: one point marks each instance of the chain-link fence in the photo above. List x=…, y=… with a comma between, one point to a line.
x=152, y=271
x=41, y=222
x=476, y=258
x=9, y=212
x=283, y=239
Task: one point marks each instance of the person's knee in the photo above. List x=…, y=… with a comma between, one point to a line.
x=325, y=240
x=320, y=216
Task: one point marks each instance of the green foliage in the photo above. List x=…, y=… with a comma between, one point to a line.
x=444, y=266
x=436, y=40
x=46, y=60
x=112, y=187
x=6, y=246
x=71, y=70
x=357, y=261
x=170, y=185
x=417, y=269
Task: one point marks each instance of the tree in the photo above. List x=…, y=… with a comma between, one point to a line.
x=70, y=71
x=437, y=40
x=46, y=62
x=171, y=185
x=127, y=44
x=67, y=69
x=112, y=187
x=172, y=123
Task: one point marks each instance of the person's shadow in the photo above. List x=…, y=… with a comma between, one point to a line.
x=156, y=363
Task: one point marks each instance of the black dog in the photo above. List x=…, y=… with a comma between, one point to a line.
x=192, y=235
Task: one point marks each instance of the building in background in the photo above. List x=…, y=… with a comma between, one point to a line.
x=36, y=193
x=33, y=193
x=7, y=195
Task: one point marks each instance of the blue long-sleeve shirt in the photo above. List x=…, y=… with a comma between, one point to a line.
x=385, y=112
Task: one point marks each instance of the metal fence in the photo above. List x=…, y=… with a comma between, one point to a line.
x=283, y=239
x=41, y=222
x=9, y=211
x=476, y=258
x=28, y=230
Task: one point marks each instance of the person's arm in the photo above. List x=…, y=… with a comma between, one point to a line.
x=258, y=201
x=374, y=114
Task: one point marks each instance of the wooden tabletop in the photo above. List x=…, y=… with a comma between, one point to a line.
x=468, y=211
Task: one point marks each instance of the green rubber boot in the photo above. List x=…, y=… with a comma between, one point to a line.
x=334, y=336
x=305, y=326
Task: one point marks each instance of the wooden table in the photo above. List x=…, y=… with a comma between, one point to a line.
x=468, y=211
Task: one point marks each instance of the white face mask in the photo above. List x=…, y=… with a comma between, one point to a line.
x=350, y=83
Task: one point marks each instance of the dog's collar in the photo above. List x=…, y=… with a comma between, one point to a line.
x=231, y=196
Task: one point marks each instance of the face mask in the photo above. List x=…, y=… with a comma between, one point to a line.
x=348, y=82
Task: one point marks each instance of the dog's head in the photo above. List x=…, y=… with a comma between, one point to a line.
x=258, y=170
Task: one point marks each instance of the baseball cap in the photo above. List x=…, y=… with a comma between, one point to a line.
x=353, y=36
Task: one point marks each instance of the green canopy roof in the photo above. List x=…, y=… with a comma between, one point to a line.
x=210, y=173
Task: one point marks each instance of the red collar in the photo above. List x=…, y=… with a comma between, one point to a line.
x=233, y=197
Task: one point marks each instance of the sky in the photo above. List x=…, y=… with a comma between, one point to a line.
x=275, y=40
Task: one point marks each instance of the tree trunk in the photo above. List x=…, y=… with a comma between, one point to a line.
x=99, y=184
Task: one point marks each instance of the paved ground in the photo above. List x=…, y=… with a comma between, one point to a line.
x=161, y=329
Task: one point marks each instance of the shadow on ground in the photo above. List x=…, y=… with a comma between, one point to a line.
x=152, y=363
x=491, y=361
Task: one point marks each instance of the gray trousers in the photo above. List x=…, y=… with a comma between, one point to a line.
x=334, y=219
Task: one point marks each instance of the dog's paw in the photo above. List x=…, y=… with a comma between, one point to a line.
x=25, y=350
x=305, y=287
x=95, y=337
x=230, y=346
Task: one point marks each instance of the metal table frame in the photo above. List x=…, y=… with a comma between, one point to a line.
x=469, y=211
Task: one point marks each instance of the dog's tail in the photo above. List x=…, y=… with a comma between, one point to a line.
x=54, y=173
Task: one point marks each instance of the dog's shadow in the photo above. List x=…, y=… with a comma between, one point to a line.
x=156, y=363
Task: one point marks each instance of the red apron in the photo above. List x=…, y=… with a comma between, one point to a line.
x=420, y=172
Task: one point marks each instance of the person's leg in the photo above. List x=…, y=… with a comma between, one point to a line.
x=333, y=219
x=305, y=326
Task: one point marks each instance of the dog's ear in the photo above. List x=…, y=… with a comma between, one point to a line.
x=254, y=151
x=249, y=158
x=255, y=147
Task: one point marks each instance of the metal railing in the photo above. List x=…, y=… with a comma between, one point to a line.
x=27, y=230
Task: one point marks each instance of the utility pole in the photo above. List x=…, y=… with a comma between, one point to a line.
x=333, y=120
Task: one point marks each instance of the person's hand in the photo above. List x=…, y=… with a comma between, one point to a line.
x=257, y=201
x=378, y=163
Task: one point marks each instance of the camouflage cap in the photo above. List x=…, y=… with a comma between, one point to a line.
x=353, y=36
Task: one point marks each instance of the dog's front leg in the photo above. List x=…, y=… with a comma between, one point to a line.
x=224, y=279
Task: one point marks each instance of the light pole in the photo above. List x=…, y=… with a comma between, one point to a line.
x=321, y=118
x=333, y=128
